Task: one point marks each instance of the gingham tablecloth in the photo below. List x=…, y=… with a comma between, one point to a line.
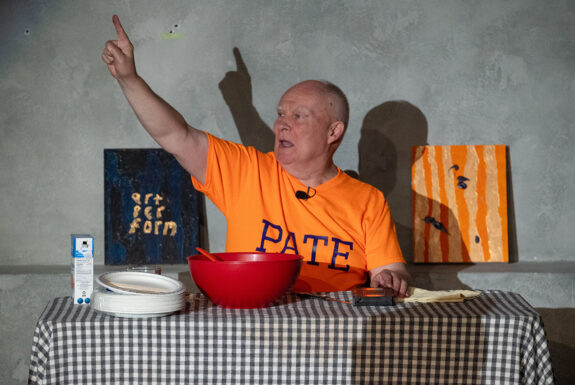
x=497, y=338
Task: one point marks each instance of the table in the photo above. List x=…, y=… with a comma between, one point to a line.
x=496, y=338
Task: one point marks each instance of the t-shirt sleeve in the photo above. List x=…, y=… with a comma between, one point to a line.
x=226, y=165
x=382, y=246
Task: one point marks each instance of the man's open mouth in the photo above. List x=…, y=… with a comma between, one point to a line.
x=285, y=143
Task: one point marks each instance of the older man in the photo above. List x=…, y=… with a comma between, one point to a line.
x=291, y=200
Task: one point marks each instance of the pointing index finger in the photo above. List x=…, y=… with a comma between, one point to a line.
x=120, y=33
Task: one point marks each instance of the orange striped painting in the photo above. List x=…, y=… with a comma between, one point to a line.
x=459, y=204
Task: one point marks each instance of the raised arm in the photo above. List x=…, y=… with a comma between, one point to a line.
x=166, y=125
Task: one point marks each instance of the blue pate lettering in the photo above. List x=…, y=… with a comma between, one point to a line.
x=291, y=244
x=315, y=238
x=291, y=236
x=267, y=225
x=337, y=253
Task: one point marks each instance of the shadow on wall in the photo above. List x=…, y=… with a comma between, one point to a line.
x=236, y=89
x=512, y=230
x=388, y=133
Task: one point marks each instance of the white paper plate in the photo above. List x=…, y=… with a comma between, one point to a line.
x=129, y=315
x=137, y=306
x=131, y=282
x=104, y=303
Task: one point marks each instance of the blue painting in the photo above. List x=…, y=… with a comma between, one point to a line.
x=153, y=214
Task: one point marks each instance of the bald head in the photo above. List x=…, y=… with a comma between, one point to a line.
x=337, y=104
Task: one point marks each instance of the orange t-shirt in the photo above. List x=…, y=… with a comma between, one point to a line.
x=342, y=232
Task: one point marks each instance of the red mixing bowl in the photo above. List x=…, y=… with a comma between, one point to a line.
x=245, y=280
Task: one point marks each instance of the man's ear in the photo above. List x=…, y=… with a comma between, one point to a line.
x=335, y=132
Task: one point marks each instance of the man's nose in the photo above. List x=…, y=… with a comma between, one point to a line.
x=282, y=124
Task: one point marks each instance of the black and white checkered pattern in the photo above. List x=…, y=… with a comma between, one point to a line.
x=497, y=338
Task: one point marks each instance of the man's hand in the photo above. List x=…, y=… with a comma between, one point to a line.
x=394, y=276
x=166, y=125
x=119, y=54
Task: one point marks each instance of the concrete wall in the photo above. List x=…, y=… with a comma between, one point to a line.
x=453, y=72
x=467, y=73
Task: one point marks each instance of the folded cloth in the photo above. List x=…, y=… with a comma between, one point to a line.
x=421, y=295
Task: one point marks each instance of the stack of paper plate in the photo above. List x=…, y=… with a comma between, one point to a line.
x=138, y=295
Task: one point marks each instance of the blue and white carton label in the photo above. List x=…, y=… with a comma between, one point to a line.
x=82, y=268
